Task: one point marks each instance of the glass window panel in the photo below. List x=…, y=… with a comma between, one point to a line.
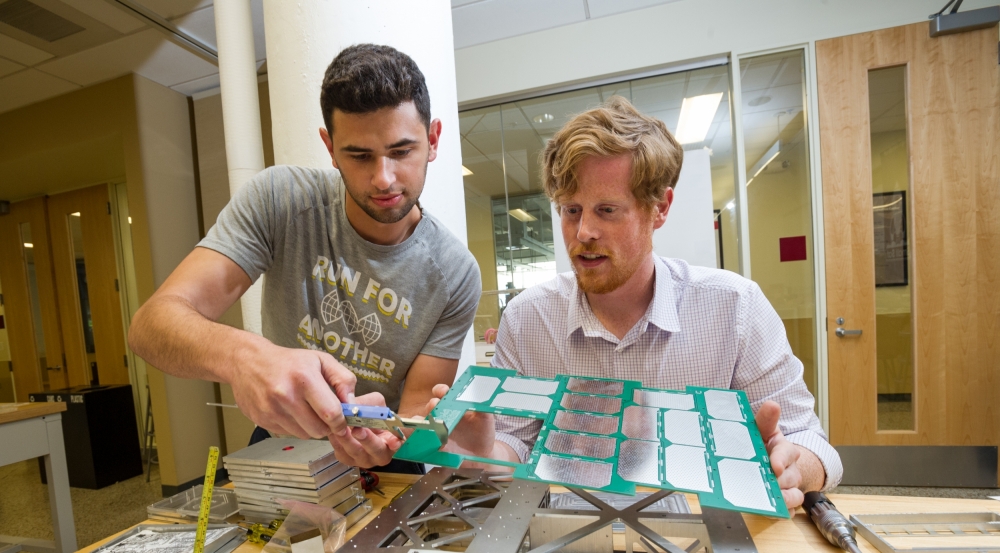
x=890, y=212
x=779, y=199
x=482, y=162
x=663, y=97
x=28, y=249
x=83, y=294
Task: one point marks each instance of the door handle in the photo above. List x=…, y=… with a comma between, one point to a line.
x=840, y=332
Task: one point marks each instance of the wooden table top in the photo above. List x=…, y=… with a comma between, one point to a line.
x=797, y=535
x=13, y=412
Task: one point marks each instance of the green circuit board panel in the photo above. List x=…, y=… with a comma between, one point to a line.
x=612, y=435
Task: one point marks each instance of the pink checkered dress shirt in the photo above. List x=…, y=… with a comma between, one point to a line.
x=704, y=327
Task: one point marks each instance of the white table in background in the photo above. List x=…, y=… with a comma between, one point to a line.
x=27, y=431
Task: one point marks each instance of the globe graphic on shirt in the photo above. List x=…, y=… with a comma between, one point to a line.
x=369, y=327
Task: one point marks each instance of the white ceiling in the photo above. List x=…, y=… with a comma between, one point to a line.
x=32, y=70
x=116, y=43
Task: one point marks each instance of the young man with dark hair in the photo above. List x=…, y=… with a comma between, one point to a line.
x=365, y=292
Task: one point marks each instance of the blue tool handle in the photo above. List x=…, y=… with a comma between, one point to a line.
x=366, y=411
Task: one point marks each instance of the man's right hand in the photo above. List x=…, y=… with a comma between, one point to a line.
x=475, y=434
x=295, y=391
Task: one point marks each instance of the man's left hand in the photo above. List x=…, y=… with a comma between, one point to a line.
x=364, y=447
x=786, y=458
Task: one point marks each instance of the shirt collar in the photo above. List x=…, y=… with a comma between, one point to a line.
x=662, y=312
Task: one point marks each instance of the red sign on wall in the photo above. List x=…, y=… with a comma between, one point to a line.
x=793, y=248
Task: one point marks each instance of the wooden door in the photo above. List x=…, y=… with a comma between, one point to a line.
x=952, y=122
x=83, y=250
x=30, y=300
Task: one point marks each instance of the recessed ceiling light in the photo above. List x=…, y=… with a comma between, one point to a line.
x=544, y=118
x=697, y=114
x=29, y=245
x=466, y=171
x=759, y=101
x=77, y=214
x=522, y=215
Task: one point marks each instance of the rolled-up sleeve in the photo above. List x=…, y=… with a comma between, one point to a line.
x=766, y=369
x=517, y=432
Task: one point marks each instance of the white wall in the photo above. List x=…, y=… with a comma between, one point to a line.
x=168, y=179
x=668, y=33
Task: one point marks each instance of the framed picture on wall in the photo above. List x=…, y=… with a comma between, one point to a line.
x=891, y=255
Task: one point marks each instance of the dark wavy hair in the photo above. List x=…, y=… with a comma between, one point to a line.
x=367, y=77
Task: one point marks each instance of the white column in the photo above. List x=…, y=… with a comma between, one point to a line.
x=240, y=116
x=304, y=37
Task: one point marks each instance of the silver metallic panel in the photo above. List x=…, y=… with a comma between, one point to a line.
x=682, y=427
x=639, y=462
x=527, y=402
x=685, y=467
x=640, y=423
x=743, y=485
x=663, y=400
x=583, y=446
x=723, y=405
x=529, y=386
x=581, y=422
x=588, y=474
x=480, y=389
x=732, y=439
x=591, y=386
x=593, y=404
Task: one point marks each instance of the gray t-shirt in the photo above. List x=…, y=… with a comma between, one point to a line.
x=372, y=307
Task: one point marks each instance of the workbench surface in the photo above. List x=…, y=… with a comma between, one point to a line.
x=771, y=535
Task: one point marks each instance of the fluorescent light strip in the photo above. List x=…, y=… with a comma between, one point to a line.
x=697, y=114
x=769, y=155
x=522, y=215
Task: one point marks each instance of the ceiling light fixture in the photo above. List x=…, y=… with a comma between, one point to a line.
x=544, y=118
x=29, y=245
x=697, y=114
x=730, y=205
x=765, y=159
x=77, y=214
x=466, y=171
x=522, y=215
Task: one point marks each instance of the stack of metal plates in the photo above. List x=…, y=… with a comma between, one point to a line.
x=301, y=470
x=184, y=506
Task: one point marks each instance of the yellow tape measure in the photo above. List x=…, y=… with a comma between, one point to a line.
x=206, y=500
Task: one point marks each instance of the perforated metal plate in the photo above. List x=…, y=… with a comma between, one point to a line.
x=591, y=404
x=663, y=400
x=613, y=443
x=594, y=447
x=526, y=402
x=723, y=405
x=732, y=440
x=684, y=467
x=582, y=422
x=743, y=485
x=682, y=427
x=480, y=389
x=588, y=474
x=639, y=462
x=640, y=423
x=530, y=386
x=592, y=386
